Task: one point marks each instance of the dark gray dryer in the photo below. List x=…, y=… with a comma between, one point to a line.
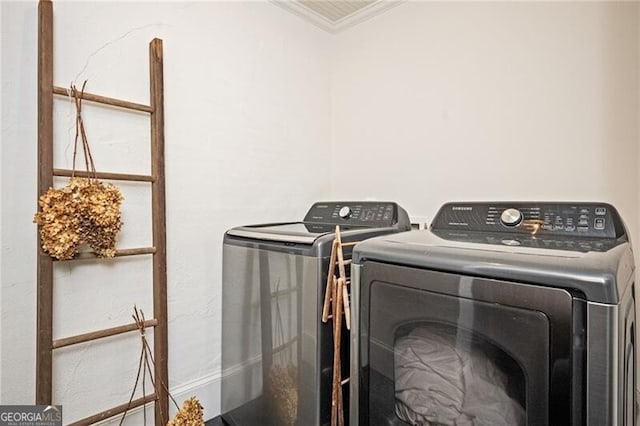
x=501, y=314
x=277, y=355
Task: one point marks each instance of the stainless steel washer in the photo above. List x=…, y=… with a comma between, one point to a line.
x=277, y=355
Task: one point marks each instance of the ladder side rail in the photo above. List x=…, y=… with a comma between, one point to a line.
x=158, y=211
x=44, y=298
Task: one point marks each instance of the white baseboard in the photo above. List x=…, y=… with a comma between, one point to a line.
x=205, y=388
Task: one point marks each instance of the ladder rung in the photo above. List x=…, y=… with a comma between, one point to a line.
x=331, y=316
x=100, y=334
x=284, y=345
x=106, y=175
x=106, y=414
x=352, y=243
x=105, y=100
x=119, y=253
x=284, y=292
x=345, y=262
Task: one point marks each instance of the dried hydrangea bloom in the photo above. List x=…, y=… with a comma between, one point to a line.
x=84, y=211
x=189, y=415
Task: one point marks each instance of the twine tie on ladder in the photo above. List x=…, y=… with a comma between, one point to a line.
x=81, y=134
x=146, y=363
x=190, y=414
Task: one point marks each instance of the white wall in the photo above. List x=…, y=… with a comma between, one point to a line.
x=442, y=101
x=247, y=114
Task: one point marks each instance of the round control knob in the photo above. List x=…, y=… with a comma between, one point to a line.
x=511, y=217
x=345, y=212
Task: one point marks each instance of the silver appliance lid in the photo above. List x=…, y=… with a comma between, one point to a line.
x=294, y=232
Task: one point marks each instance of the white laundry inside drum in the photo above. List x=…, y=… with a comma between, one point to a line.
x=444, y=377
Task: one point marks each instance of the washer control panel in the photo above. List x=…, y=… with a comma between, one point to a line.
x=531, y=241
x=353, y=213
x=593, y=220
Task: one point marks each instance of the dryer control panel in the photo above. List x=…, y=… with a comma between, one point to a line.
x=590, y=220
x=354, y=213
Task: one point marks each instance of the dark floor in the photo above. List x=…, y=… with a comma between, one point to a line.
x=216, y=421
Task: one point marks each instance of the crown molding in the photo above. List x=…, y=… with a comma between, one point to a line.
x=366, y=12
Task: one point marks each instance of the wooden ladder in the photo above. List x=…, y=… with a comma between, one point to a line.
x=336, y=305
x=45, y=342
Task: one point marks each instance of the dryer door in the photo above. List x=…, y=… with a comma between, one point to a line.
x=447, y=349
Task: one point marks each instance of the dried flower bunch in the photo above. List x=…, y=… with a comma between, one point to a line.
x=84, y=211
x=189, y=415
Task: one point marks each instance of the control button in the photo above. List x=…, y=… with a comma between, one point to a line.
x=601, y=211
x=570, y=228
x=345, y=212
x=583, y=228
x=598, y=223
x=511, y=217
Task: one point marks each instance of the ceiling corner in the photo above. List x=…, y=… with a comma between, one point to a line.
x=334, y=16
